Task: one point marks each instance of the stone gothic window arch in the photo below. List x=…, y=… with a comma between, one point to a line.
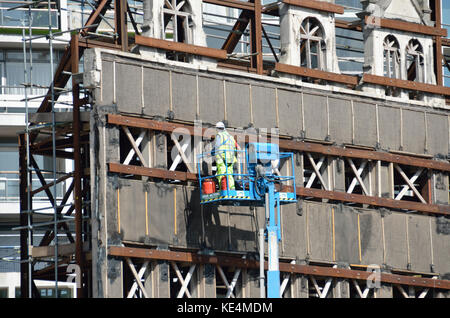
x=392, y=62
x=415, y=66
x=177, y=19
x=415, y=61
x=178, y=25
x=391, y=55
x=312, y=44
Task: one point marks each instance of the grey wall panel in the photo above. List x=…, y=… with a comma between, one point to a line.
x=111, y=221
x=211, y=102
x=320, y=231
x=340, y=114
x=316, y=118
x=132, y=210
x=440, y=232
x=156, y=92
x=413, y=131
x=128, y=88
x=243, y=230
x=395, y=240
x=238, y=104
x=365, y=124
x=440, y=185
x=264, y=107
x=389, y=125
x=419, y=242
x=216, y=227
x=289, y=112
x=346, y=234
x=293, y=232
x=437, y=134
x=160, y=213
x=189, y=217
x=107, y=82
x=184, y=96
x=371, y=237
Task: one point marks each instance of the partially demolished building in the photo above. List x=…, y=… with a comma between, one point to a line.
x=371, y=146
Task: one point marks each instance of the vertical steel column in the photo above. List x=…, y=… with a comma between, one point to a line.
x=77, y=163
x=52, y=90
x=438, y=43
x=24, y=214
x=256, y=38
x=120, y=19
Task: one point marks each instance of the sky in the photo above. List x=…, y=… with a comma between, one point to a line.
x=446, y=20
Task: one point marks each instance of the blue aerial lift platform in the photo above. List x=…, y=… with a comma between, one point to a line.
x=258, y=183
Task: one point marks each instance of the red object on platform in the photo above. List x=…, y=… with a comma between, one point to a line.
x=223, y=183
x=208, y=187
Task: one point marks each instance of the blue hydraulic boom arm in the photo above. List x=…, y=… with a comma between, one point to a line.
x=259, y=183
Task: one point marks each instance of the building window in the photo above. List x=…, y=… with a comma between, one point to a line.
x=312, y=44
x=10, y=179
x=12, y=71
x=415, y=61
x=177, y=25
x=177, y=21
x=415, y=66
x=392, y=62
x=391, y=57
x=19, y=17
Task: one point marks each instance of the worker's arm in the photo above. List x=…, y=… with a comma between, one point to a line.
x=218, y=142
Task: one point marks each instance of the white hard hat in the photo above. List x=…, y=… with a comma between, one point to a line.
x=220, y=125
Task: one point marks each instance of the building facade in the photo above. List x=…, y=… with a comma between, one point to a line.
x=348, y=86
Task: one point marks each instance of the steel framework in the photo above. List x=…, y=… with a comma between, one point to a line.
x=70, y=140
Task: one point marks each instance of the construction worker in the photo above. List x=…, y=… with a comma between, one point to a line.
x=225, y=150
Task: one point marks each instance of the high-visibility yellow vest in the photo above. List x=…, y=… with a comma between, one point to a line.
x=227, y=147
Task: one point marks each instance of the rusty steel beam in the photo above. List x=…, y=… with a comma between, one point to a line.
x=438, y=44
x=226, y=260
x=404, y=84
x=236, y=33
x=151, y=172
x=405, y=26
x=317, y=5
x=236, y=4
x=24, y=206
x=256, y=60
x=96, y=15
x=323, y=75
x=237, y=65
x=59, y=154
x=78, y=170
x=342, y=24
x=435, y=209
x=89, y=43
x=445, y=42
x=364, y=154
x=120, y=21
x=48, y=185
x=287, y=144
x=181, y=47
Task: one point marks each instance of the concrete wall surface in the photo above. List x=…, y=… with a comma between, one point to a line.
x=169, y=214
x=301, y=110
